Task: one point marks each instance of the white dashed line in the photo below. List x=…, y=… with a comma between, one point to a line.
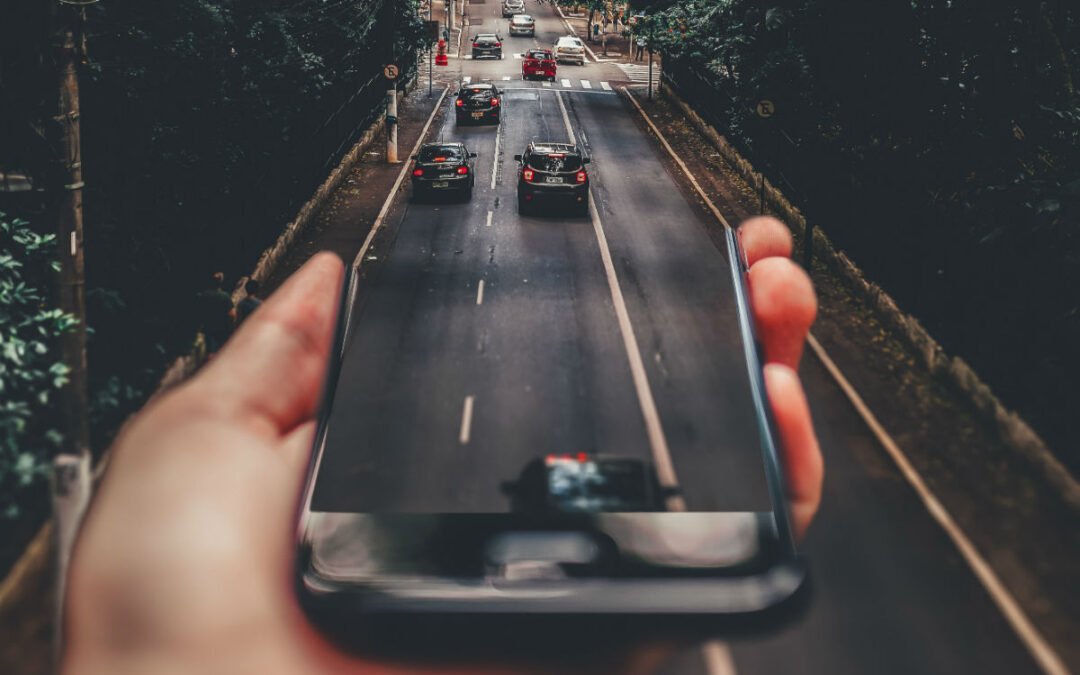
x=605, y=86
x=466, y=420
x=547, y=84
x=495, y=163
x=467, y=78
x=488, y=223
x=480, y=293
x=566, y=83
x=585, y=84
x=506, y=77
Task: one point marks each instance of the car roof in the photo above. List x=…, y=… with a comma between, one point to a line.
x=545, y=148
x=441, y=144
x=477, y=85
x=570, y=38
x=487, y=35
x=521, y=16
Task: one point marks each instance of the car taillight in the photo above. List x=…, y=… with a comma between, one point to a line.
x=460, y=103
x=463, y=170
x=476, y=44
x=528, y=174
x=581, y=176
x=494, y=101
x=498, y=44
x=418, y=172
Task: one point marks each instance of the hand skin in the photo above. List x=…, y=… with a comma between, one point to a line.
x=184, y=564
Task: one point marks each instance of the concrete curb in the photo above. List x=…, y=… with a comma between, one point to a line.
x=1015, y=432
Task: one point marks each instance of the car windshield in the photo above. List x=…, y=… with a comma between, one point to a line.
x=569, y=42
x=441, y=153
x=522, y=19
x=555, y=162
x=486, y=38
x=541, y=54
x=599, y=486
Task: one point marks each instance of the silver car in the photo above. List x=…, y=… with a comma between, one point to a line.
x=522, y=24
x=512, y=7
x=570, y=49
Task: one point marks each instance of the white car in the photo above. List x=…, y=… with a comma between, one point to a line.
x=522, y=24
x=512, y=7
x=570, y=49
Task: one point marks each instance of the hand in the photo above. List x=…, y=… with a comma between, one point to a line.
x=185, y=562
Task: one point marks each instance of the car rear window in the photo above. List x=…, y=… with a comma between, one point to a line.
x=540, y=54
x=487, y=38
x=555, y=163
x=433, y=153
x=477, y=93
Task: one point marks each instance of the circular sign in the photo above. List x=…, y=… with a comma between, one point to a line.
x=391, y=71
x=765, y=108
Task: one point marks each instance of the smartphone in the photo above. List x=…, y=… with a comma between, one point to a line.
x=389, y=528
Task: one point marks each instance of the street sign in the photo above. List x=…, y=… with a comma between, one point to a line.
x=432, y=29
x=390, y=71
x=765, y=108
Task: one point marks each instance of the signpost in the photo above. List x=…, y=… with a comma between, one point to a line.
x=433, y=32
x=764, y=109
x=391, y=72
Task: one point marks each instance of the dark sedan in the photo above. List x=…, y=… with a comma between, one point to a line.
x=552, y=173
x=443, y=168
x=478, y=102
x=487, y=44
x=586, y=483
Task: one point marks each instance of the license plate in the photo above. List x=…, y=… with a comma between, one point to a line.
x=477, y=115
x=552, y=179
x=440, y=184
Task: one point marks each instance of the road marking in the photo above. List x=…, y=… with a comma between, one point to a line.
x=665, y=468
x=466, y=420
x=480, y=293
x=566, y=83
x=546, y=84
x=1033, y=640
x=585, y=84
x=506, y=77
x=488, y=223
x=467, y=78
x=495, y=162
x=718, y=660
x=605, y=86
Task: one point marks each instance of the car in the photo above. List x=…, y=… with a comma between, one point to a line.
x=512, y=7
x=586, y=483
x=478, y=102
x=522, y=24
x=538, y=63
x=443, y=168
x=570, y=49
x=552, y=173
x=487, y=44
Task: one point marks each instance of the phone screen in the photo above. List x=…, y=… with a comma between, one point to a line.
x=451, y=447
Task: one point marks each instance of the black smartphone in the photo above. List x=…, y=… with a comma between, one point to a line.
x=388, y=526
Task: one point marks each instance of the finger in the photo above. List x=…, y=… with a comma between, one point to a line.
x=272, y=371
x=804, y=468
x=784, y=305
x=764, y=237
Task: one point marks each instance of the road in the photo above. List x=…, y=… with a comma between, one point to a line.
x=449, y=388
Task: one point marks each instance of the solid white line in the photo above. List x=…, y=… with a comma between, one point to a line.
x=466, y=420
x=495, y=161
x=1040, y=650
x=718, y=660
x=1035, y=643
x=566, y=83
x=506, y=77
x=480, y=293
x=467, y=78
x=585, y=84
x=605, y=86
x=665, y=468
x=488, y=223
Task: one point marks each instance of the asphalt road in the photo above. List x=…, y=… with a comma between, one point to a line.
x=445, y=392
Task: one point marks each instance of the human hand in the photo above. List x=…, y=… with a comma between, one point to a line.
x=185, y=563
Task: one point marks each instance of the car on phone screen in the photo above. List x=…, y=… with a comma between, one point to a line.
x=552, y=174
x=570, y=49
x=538, y=63
x=478, y=102
x=586, y=483
x=487, y=45
x=522, y=24
x=512, y=7
x=443, y=168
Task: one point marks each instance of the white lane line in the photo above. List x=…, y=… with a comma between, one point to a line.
x=1036, y=644
x=506, y=77
x=566, y=83
x=467, y=78
x=480, y=293
x=495, y=162
x=605, y=86
x=585, y=84
x=665, y=468
x=718, y=660
x=1033, y=640
x=466, y=420
x=488, y=223
x=546, y=84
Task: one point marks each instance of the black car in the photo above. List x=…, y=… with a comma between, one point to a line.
x=478, y=102
x=552, y=173
x=443, y=168
x=586, y=483
x=487, y=44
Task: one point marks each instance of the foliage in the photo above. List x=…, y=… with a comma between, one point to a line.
x=30, y=372
x=938, y=141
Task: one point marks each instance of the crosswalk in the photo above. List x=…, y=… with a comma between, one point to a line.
x=564, y=83
x=638, y=73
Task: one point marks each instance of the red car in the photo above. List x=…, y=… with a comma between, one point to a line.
x=538, y=63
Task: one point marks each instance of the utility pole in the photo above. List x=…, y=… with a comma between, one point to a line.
x=71, y=467
x=390, y=71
